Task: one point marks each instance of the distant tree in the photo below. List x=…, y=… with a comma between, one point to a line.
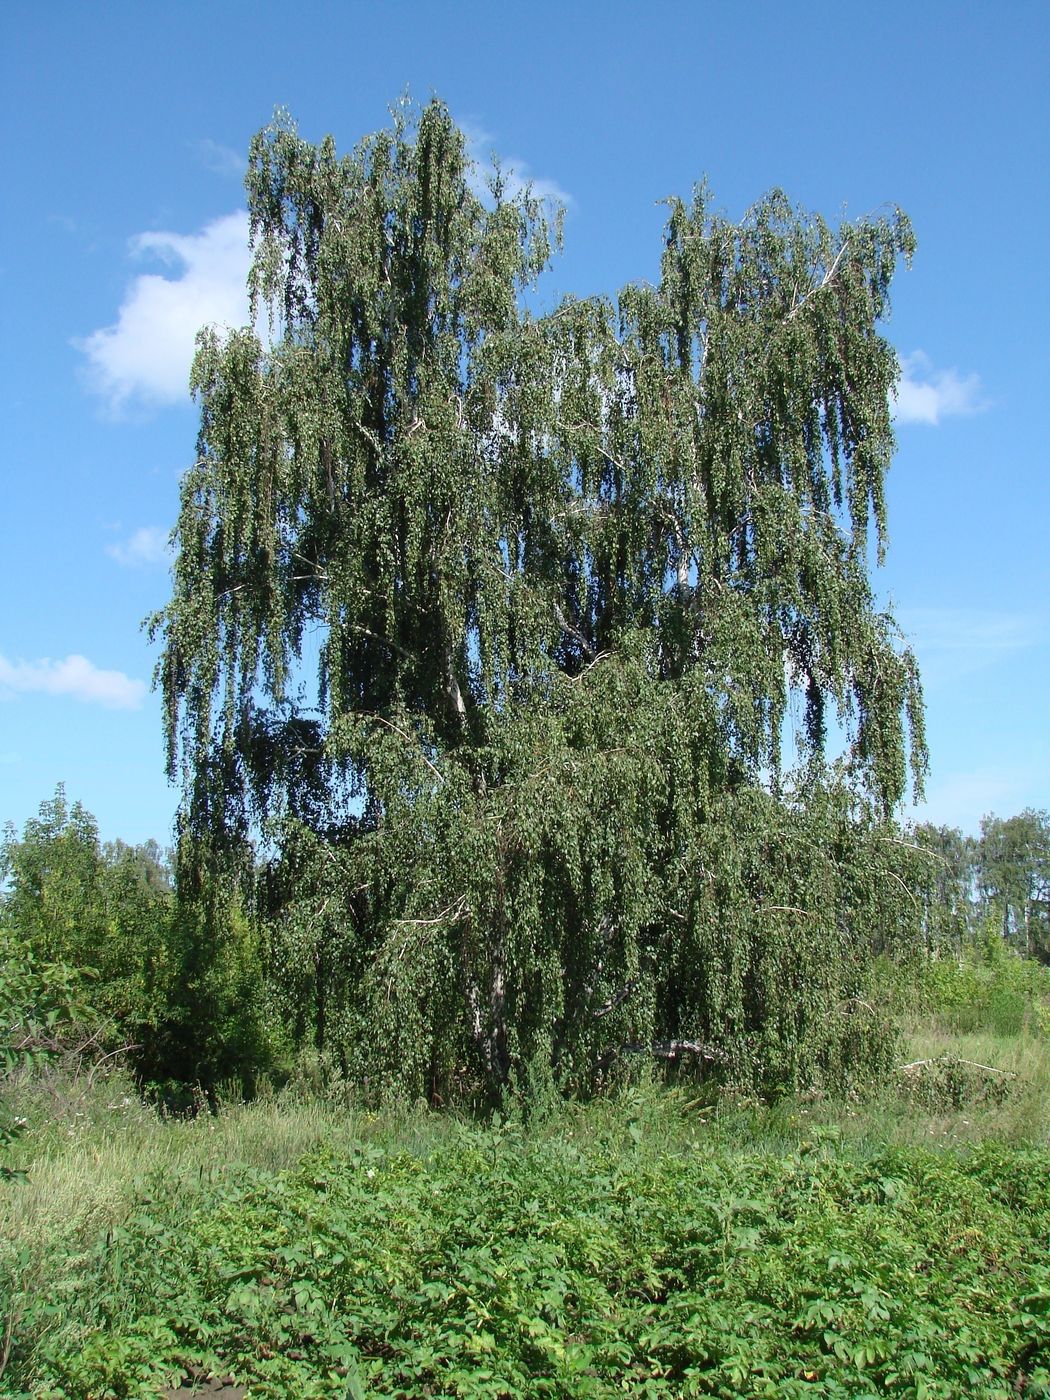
x=562, y=573
x=52, y=879
x=1014, y=878
x=946, y=880
x=181, y=987
x=51, y=914
x=103, y=911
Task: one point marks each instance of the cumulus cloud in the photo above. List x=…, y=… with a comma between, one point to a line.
x=515, y=172
x=145, y=356
x=76, y=677
x=143, y=547
x=926, y=395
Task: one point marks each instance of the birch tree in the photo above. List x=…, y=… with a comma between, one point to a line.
x=492, y=619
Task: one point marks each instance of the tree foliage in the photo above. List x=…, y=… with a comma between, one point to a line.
x=1013, y=874
x=943, y=882
x=562, y=575
x=996, y=885
x=176, y=984
x=103, y=910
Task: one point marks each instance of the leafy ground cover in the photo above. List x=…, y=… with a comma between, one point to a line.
x=630, y=1249
x=651, y=1244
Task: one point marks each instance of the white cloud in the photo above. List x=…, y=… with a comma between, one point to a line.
x=926, y=395
x=76, y=677
x=143, y=547
x=145, y=356
x=220, y=159
x=515, y=172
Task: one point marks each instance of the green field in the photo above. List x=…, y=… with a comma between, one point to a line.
x=650, y=1244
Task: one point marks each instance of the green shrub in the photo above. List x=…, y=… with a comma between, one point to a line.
x=178, y=983
x=990, y=988
x=41, y=1005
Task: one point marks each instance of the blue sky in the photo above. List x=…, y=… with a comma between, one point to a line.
x=124, y=135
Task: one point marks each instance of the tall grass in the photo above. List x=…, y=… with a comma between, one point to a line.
x=90, y=1147
x=88, y=1152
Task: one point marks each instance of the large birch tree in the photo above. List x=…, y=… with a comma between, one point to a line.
x=493, y=621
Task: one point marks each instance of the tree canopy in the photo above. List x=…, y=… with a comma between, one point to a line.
x=1013, y=875
x=91, y=937
x=560, y=575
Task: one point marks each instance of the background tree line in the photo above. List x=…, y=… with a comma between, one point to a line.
x=996, y=882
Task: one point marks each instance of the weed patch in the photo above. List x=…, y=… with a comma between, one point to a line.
x=586, y=1258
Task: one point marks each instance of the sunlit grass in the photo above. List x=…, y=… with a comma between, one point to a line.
x=89, y=1146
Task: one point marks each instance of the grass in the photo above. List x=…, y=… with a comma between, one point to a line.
x=91, y=1145
x=648, y=1245
x=88, y=1147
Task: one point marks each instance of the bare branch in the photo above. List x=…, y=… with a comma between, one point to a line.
x=384, y=641
x=828, y=278
x=574, y=632
x=671, y=1049
x=614, y=1002
x=446, y=916
x=380, y=719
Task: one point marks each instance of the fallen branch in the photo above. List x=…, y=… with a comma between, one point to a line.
x=109, y=1055
x=671, y=1049
x=954, y=1060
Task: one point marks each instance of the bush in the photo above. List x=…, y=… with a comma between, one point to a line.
x=40, y=1005
x=990, y=988
x=559, y=1263
x=178, y=983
